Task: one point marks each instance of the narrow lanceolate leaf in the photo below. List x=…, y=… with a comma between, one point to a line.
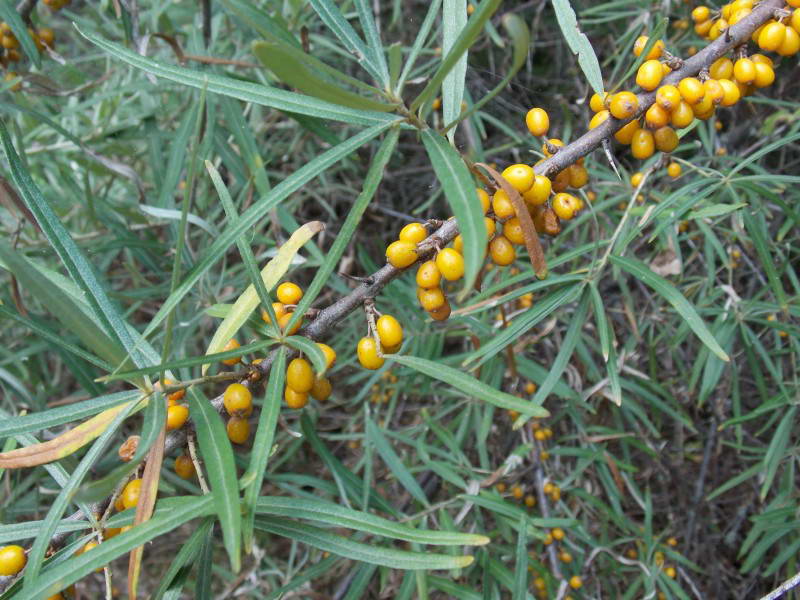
x=465, y=39
x=295, y=69
x=218, y=460
x=334, y=19
x=777, y=450
x=270, y=275
x=376, y=438
x=79, y=269
x=243, y=90
x=257, y=212
x=65, y=444
x=335, y=515
x=579, y=44
x=675, y=298
x=532, y=244
x=462, y=196
x=262, y=445
x=372, y=554
x=520, y=591
x=454, y=19
x=471, y=386
x=373, y=38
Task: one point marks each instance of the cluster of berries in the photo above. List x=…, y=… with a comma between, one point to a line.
x=42, y=37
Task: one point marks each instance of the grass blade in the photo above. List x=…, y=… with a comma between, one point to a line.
x=454, y=19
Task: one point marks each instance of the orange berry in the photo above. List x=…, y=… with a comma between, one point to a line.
x=566, y=206
x=231, y=345
x=450, y=264
x=177, y=416
x=575, y=582
x=538, y=121
x=413, y=232
x=642, y=144
x=130, y=493
x=12, y=560
x=714, y=91
x=442, y=313
x=289, y=293
x=299, y=375
x=649, y=75
x=539, y=191
x=519, y=176
x=598, y=102
x=722, y=68
x=184, y=467
x=656, y=116
x=691, y=90
x=682, y=115
x=625, y=135
x=666, y=139
x=294, y=399
x=791, y=43
x=668, y=97
x=238, y=430
x=674, y=170
x=430, y=299
x=367, y=351
x=278, y=308
x=283, y=321
x=771, y=36
x=578, y=176
x=501, y=251
x=655, y=51
x=744, y=71
x=237, y=399
x=765, y=75
x=389, y=330
x=483, y=198
x=512, y=230
x=321, y=389
x=401, y=254
x=428, y=275
x=501, y=205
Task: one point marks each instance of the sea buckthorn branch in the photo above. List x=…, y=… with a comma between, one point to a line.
x=734, y=36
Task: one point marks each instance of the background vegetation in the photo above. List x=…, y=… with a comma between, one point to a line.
x=666, y=456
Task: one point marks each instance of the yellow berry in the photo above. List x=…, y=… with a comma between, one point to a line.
x=413, y=232
x=575, y=582
x=598, y=102
x=714, y=91
x=278, y=308
x=598, y=119
x=299, y=375
x=624, y=105
x=450, y=264
x=238, y=430
x=636, y=179
x=682, y=115
x=558, y=533
x=184, y=467
x=130, y=493
x=237, y=399
x=625, y=135
x=557, y=143
x=428, y=275
x=389, y=330
x=519, y=176
x=642, y=144
x=12, y=560
x=655, y=51
x=771, y=36
x=692, y=91
x=722, y=68
x=321, y=389
x=566, y=206
x=294, y=399
x=673, y=170
x=501, y=205
x=539, y=191
x=458, y=245
x=668, y=97
x=578, y=176
x=791, y=43
x=283, y=322
x=673, y=542
x=176, y=416
x=401, y=254
x=512, y=229
x=670, y=572
x=289, y=293
x=765, y=75
x=367, y=351
x=656, y=116
x=483, y=197
x=744, y=70
x=501, y=251
x=649, y=75
x=231, y=345
x=430, y=299
x=538, y=121
x=565, y=557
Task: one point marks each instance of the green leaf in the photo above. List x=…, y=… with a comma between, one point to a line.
x=777, y=450
x=312, y=352
x=295, y=68
x=715, y=210
x=257, y=212
x=374, y=44
x=467, y=37
x=218, y=460
x=333, y=18
x=262, y=445
x=354, y=214
x=260, y=21
x=190, y=548
x=79, y=269
x=376, y=438
x=579, y=44
x=242, y=90
x=9, y=14
x=371, y=554
x=419, y=42
x=470, y=386
x=674, y=297
x=520, y=591
x=462, y=196
x=338, y=516
x=454, y=20
x=175, y=512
